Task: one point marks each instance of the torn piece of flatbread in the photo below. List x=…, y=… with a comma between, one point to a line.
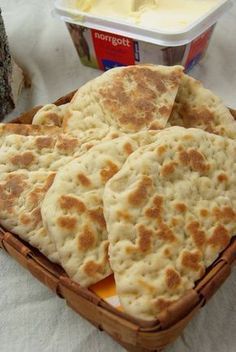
x=130, y=99
x=196, y=106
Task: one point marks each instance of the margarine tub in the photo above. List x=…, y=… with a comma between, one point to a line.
x=111, y=33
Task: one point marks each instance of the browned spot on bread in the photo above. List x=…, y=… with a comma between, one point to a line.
x=144, y=238
x=25, y=219
x=36, y=216
x=184, y=157
x=24, y=159
x=44, y=142
x=222, y=177
x=225, y=214
x=191, y=260
x=204, y=213
x=180, y=148
x=92, y=268
x=180, y=207
x=67, y=144
x=114, y=135
x=49, y=181
x=165, y=233
x=128, y=148
x=194, y=117
x=165, y=110
x=194, y=159
x=199, y=236
x=84, y=180
x=220, y=237
x=97, y=216
x=161, y=149
x=70, y=202
x=131, y=249
x=123, y=215
x=155, y=126
x=187, y=137
x=35, y=196
x=162, y=304
x=157, y=207
x=138, y=196
x=197, y=161
x=10, y=191
x=168, y=169
x=14, y=185
x=37, y=193
x=86, y=239
x=53, y=117
x=108, y=171
x=172, y=278
x=147, y=109
x=67, y=222
x=175, y=222
x=167, y=252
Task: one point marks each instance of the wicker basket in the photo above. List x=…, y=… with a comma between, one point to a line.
x=133, y=334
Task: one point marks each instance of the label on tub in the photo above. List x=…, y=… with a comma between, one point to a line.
x=112, y=50
x=105, y=50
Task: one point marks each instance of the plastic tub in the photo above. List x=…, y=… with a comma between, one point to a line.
x=105, y=43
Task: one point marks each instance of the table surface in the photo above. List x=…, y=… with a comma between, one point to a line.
x=33, y=318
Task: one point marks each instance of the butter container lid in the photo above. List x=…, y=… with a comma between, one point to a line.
x=137, y=32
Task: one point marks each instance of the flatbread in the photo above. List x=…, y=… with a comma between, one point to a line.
x=170, y=211
x=34, y=153
x=28, y=164
x=72, y=210
x=51, y=115
x=196, y=106
x=130, y=99
x=21, y=194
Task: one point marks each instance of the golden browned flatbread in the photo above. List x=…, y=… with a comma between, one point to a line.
x=169, y=211
x=196, y=106
x=130, y=99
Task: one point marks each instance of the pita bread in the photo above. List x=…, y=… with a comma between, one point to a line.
x=51, y=115
x=72, y=210
x=196, y=106
x=130, y=99
x=170, y=211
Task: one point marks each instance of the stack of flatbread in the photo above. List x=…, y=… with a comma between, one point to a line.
x=135, y=176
